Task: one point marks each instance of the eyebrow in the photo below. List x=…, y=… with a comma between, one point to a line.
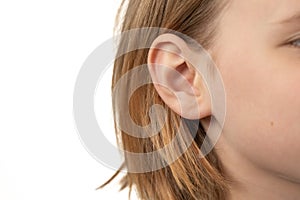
x=291, y=19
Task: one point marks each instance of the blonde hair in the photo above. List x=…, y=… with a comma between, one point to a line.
x=189, y=177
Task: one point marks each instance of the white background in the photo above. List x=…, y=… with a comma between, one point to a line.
x=42, y=47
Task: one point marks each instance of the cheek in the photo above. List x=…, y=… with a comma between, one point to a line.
x=263, y=113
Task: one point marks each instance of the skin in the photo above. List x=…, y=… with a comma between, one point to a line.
x=260, y=67
x=260, y=144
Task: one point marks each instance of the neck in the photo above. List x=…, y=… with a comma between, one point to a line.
x=249, y=181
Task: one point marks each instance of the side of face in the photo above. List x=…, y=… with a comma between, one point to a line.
x=261, y=75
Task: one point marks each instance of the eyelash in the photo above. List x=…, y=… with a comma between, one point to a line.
x=295, y=43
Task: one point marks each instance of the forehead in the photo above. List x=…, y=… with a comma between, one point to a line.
x=263, y=10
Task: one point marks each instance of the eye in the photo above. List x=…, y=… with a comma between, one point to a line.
x=295, y=43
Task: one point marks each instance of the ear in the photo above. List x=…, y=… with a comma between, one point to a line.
x=177, y=82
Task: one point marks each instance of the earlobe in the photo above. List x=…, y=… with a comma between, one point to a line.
x=177, y=82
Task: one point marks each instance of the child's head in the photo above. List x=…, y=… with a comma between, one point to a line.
x=258, y=56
